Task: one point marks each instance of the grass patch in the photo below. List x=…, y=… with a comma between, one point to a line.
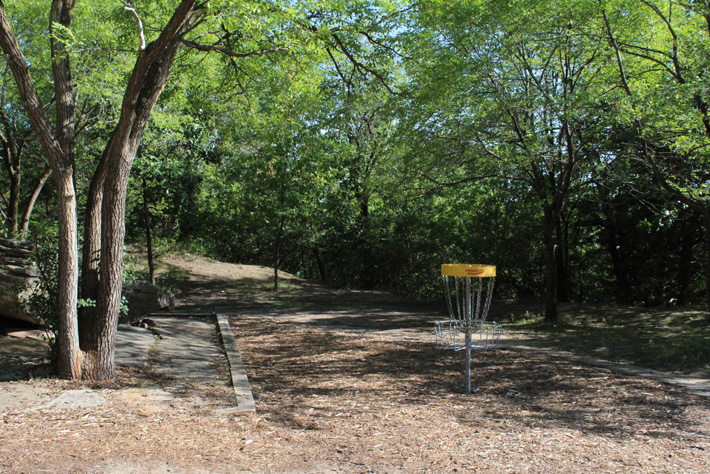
x=669, y=339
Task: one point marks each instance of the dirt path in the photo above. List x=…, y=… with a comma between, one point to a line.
x=345, y=383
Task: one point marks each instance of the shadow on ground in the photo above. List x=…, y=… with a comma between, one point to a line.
x=317, y=370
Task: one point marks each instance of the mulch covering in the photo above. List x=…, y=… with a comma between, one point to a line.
x=331, y=400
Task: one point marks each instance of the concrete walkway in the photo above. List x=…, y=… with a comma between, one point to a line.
x=187, y=352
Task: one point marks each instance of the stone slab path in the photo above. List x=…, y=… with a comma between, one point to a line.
x=190, y=352
x=187, y=356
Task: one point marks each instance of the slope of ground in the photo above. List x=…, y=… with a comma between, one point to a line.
x=350, y=382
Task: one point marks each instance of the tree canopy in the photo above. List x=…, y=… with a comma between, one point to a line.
x=363, y=143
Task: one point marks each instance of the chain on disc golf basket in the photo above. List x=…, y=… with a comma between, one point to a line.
x=468, y=303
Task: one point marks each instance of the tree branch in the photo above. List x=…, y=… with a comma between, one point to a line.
x=382, y=45
x=345, y=80
x=28, y=94
x=33, y=199
x=217, y=47
x=468, y=179
x=141, y=34
x=357, y=64
x=61, y=14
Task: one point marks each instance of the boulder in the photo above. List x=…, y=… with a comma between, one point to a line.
x=145, y=298
x=16, y=273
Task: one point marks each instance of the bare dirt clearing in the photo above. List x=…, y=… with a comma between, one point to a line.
x=346, y=382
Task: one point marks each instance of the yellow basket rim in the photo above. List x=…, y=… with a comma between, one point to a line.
x=470, y=270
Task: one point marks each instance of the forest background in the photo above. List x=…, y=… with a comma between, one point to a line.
x=365, y=143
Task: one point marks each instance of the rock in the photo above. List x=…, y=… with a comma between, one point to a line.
x=145, y=298
x=16, y=273
x=76, y=399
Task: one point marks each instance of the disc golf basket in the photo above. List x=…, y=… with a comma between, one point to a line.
x=468, y=303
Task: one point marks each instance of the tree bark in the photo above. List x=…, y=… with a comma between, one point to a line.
x=68, y=353
x=99, y=346
x=91, y=256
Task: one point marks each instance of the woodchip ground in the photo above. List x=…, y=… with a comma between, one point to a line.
x=344, y=383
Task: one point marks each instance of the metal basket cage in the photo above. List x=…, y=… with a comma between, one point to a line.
x=484, y=335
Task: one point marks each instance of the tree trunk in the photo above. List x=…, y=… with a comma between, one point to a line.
x=319, y=264
x=563, y=277
x=61, y=161
x=551, y=314
x=150, y=74
x=12, y=165
x=148, y=234
x=99, y=338
x=12, y=153
x=33, y=200
x=68, y=354
x=14, y=203
x=706, y=224
x=91, y=256
x=277, y=252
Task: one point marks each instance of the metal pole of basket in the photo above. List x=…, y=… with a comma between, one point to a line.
x=470, y=312
x=468, y=359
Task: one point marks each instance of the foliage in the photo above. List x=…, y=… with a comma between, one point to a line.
x=43, y=294
x=380, y=139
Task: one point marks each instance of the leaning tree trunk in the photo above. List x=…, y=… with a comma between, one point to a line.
x=91, y=256
x=99, y=346
x=150, y=74
x=33, y=199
